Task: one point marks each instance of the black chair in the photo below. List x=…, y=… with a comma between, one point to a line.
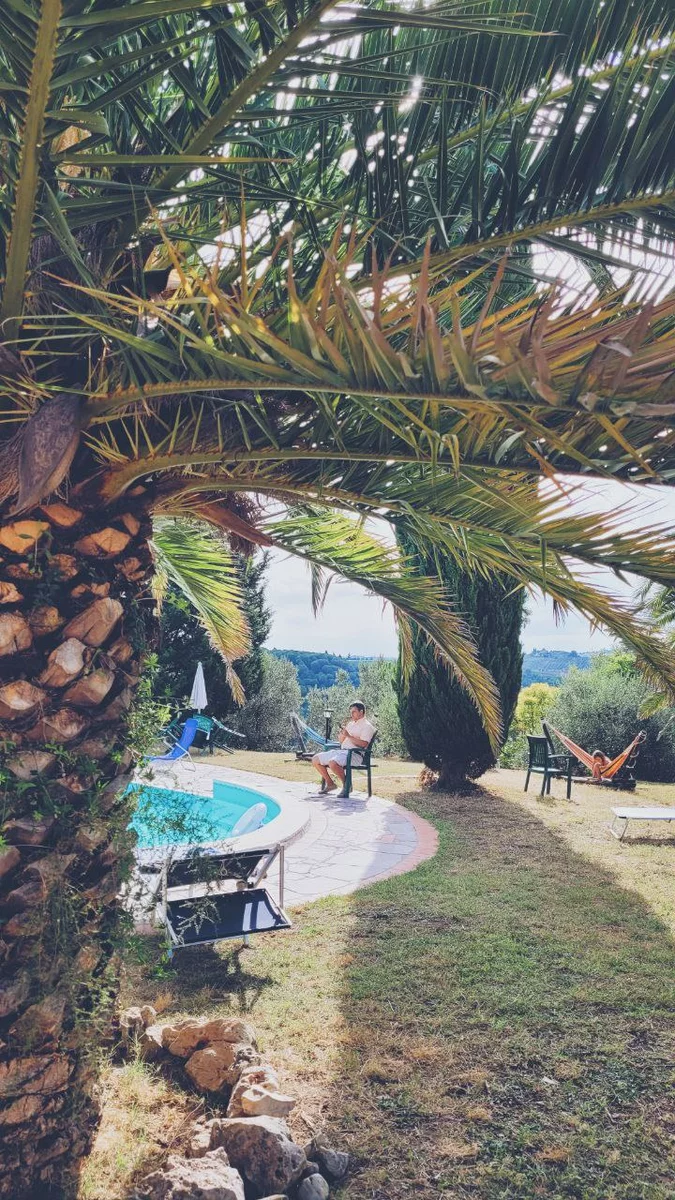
x=209, y=914
x=364, y=764
x=543, y=761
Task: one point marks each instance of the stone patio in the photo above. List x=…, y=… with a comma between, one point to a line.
x=341, y=846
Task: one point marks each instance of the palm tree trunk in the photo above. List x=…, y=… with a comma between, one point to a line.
x=75, y=618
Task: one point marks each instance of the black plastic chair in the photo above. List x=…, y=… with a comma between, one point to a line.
x=364, y=765
x=551, y=766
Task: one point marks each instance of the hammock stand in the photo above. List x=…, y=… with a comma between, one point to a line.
x=618, y=773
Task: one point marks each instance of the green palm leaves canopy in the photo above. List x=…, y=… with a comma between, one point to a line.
x=296, y=269
x=296, y=253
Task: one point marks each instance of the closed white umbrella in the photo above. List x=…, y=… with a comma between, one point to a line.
x=198, y=697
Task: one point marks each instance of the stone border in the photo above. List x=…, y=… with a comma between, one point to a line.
x=426, y=848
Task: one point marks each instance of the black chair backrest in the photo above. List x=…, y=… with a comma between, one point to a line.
x=201, y=867
x=539, y=751
x=549, y=738
x=364, y=752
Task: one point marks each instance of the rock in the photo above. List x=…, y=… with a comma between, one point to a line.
x=207, y=1178
x=312, y=1168
x=314, y=1187
x=184, y=1037
x=150, y=1043
x=260, y=1148
x=215, y=1067
x=200, y=1141
x=131, y=1024
x=333, y=1163
x=258, y=1101
x=264, y=1075
x=148, y=1015
x=206, y=1136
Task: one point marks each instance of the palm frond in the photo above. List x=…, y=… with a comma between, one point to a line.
x=343, y=546
x=199, y=563
x=27, y=183
x=536, y=385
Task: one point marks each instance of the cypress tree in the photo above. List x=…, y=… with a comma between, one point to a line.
x=440, y=724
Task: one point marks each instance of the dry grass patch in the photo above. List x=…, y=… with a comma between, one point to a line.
x=144, y=1118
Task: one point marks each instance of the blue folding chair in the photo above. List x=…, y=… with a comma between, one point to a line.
x=182, y=746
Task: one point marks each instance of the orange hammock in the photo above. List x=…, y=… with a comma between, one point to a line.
x=609, y=771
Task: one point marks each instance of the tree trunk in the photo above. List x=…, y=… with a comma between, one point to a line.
x=75, y=618
x=456, y=776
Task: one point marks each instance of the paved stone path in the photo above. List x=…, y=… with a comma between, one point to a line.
x=345, y=844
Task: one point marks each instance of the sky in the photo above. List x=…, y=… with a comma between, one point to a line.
x=353, y=622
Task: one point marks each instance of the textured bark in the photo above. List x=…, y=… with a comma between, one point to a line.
x=75, y=619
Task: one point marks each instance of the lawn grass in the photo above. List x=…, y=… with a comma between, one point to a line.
x=496, y=1024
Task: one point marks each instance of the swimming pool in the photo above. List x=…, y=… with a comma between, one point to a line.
x=165, y=817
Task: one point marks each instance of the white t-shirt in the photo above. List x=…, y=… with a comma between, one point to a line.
x=360, y=729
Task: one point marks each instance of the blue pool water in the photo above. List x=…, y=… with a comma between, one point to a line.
x=164, y=817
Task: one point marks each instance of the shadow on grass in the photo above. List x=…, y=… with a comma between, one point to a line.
x=197, y=977
x=496, y=1024
x=508, y=1009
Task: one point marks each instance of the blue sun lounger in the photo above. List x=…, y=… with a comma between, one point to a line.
x=182, y=747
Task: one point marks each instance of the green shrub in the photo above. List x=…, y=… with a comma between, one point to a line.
x=534, y=704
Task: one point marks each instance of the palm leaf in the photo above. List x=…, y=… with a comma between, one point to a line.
x=198, y=562
x=29, y=163
x=343, y=546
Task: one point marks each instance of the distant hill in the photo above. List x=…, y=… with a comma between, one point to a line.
x=549, y=666
x=319, y=670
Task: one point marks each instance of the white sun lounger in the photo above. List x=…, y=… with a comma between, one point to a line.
x=638, y=814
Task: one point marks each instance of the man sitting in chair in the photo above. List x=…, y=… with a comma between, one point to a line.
x=355, y=735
